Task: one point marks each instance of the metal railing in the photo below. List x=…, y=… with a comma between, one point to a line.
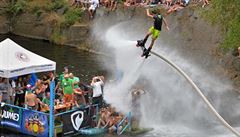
x=124, y=127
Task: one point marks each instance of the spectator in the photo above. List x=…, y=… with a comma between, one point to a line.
x=1, y=94
x=4, y=87
x=113, y=5
x=97, y=84
x=175, y=7
x=205, y=2
x=46, y=99
x=93, y=7
x=130, y=3
x=84, y=4
x=39, y=91
x=76, y=3
x=61, y=77
x=13, y=91
x=31, y=99
x=136, y=96
x=20, y=92
x=78, y=93
x=68, y=87
x=169, y=3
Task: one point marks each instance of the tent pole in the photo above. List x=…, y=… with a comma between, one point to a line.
x=52, y=98
x=8, y=90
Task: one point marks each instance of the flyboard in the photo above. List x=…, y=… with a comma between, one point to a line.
x=141, y=43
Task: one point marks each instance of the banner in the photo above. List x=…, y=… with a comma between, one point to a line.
x=74, y=121
x=34, y=123
x=11, y=116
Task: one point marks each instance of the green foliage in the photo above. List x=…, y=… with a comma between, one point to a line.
x=57, y=4
x=37, y=11
x=56, y=37
x=226, y=13
x=17, y=7
x=71, y=16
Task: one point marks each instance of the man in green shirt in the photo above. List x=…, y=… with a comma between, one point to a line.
x=61, y=77
x=78, y=93
x=68, y=86
x=75, y=80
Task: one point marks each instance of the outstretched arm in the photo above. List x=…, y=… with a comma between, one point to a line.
x=148, y=14
x=165, y=23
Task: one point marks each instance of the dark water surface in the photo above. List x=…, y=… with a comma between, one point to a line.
x=81, y=63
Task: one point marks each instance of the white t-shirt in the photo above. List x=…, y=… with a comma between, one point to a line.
x=94, y=3
x=97, y=88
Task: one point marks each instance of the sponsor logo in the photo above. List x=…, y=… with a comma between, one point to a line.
x=10, y=115
x=22, y=56
x=77, y=119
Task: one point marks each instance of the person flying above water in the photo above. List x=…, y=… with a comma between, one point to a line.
x=154, y=31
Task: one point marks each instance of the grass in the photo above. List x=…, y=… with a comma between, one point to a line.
x=57, y=37
x=17, y=7
x=227, y=15
x=70, y=17
x=57, y=4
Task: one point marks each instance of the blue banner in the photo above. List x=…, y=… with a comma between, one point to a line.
x=35, y=123
x=11, y=116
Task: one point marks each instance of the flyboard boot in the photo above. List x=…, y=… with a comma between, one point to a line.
x=146, y=52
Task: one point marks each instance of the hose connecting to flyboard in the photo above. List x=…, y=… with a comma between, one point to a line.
x=212, y=109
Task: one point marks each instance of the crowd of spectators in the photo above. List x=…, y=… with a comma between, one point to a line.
x=169, y=5
x=110, y=118
x=69, y=89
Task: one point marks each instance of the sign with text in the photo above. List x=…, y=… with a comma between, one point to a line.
x=35, y=123
x=11, y=116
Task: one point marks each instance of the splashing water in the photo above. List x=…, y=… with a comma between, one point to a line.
x=170, y=104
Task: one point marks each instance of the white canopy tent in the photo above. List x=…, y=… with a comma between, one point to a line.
x=17, y=61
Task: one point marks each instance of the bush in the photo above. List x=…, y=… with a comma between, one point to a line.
x=57, y=38
x=17, y=8
x=57, y=4
x=37, y=11
x=71, y=16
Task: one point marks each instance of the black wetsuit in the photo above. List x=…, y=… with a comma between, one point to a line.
x=158, y=22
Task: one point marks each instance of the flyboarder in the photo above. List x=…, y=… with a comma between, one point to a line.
x=154, y=31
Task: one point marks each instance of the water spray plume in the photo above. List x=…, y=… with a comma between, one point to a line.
x=170, y=99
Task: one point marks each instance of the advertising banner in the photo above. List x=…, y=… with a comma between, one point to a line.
x=35, y=123
x=11, y=116
x=74, y=121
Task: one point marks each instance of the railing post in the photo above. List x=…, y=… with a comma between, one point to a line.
x=52, y=98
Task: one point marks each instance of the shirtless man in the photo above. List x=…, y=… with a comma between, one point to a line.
x=31, y=100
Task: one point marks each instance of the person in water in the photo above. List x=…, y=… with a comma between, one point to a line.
x=154, y=30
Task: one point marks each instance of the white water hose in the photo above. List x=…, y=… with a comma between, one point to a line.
x=212, y=109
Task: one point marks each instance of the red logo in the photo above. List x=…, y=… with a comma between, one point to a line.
x=22, y=56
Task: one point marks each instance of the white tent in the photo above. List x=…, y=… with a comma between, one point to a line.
x=17, y=61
